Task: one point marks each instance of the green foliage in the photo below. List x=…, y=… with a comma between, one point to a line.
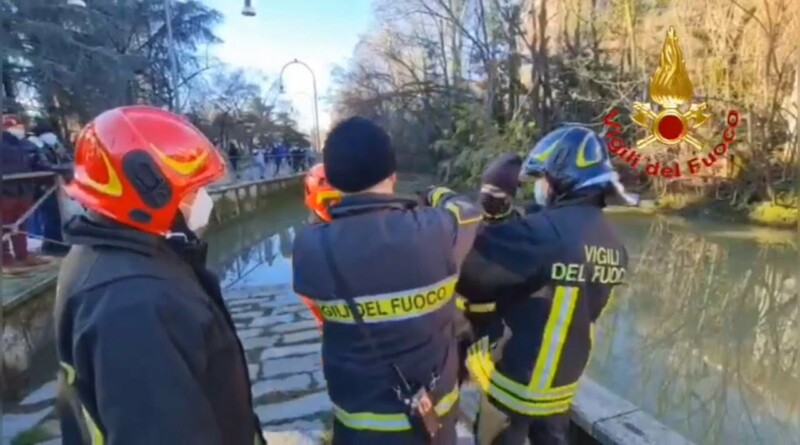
x=474, y=143
x=73, y=63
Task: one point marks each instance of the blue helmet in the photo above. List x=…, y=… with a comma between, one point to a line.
x=572, y=157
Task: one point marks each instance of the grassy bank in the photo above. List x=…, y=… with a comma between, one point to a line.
x=778, y=214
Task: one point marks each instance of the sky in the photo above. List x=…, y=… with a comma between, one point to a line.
x=321, y=33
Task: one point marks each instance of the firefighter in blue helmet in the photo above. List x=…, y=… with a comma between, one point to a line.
x=552, y=273
x=382, y=273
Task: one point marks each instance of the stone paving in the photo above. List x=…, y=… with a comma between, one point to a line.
x=282, y=345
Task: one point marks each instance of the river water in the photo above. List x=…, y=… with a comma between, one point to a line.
x=705, y=336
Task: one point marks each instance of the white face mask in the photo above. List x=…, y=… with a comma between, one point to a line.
x=541, y=191
x=18, y=132
x=198, y=213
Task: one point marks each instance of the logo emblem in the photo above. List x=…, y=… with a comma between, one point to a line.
x=670, y=88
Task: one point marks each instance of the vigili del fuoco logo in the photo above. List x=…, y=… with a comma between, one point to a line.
x=675, y=119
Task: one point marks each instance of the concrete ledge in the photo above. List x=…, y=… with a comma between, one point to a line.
x=234, y=200
x=613, y=420
x=608, y=418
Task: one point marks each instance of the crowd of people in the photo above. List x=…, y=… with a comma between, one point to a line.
x=31, y=207
x=414, y=295
x=24, y=152
x=269, y=160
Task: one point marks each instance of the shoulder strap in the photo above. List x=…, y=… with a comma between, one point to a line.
x=342, y=291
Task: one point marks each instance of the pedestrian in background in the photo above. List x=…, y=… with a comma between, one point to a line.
x=17, y=156
x=233, y=157
x=260, y=163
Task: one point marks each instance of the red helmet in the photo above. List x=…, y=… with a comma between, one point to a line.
x=9, y=120
x=136, y=164
x=12, y=122
x=319, y=193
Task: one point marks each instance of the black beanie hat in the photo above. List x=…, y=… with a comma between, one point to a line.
x=503, y=173
x=357, y=155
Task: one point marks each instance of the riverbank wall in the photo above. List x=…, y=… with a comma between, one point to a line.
x=28, y=348
x=599, y=417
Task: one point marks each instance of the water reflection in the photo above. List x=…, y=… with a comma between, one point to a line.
x=257, y=251
x=706, y=334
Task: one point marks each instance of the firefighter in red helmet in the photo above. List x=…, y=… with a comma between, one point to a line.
x=148, y=350
x=319, y=197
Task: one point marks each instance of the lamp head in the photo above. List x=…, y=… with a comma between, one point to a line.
x=248, y=10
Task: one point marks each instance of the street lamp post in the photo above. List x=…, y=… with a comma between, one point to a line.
x=248, y=10
x=173, y=58
x=313, y=109
x=316, y=101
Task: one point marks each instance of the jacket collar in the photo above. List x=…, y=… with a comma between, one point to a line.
x=369, y=202
x=93, y=230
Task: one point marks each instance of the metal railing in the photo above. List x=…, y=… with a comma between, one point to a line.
x=39, y=187
x=43, y=185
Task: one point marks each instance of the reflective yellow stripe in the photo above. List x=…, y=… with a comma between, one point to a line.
x=389, y=422
x=455, y=209
x=466, y=306
x=69, y=371
x=538, y=397
x=512, y=395
x=581, y=160
x=95, y=434
x=555, y=333
x=392, y=306
x=438, y=193
x=482, y=362
x=545, y=153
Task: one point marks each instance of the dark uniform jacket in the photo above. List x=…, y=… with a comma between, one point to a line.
x=552, y=273
x=478, y=303
x=400, y=261
x=148, y=349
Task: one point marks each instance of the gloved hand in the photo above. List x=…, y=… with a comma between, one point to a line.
x=503, y=173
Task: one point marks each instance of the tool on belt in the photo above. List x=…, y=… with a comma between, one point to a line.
x=420, y=408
